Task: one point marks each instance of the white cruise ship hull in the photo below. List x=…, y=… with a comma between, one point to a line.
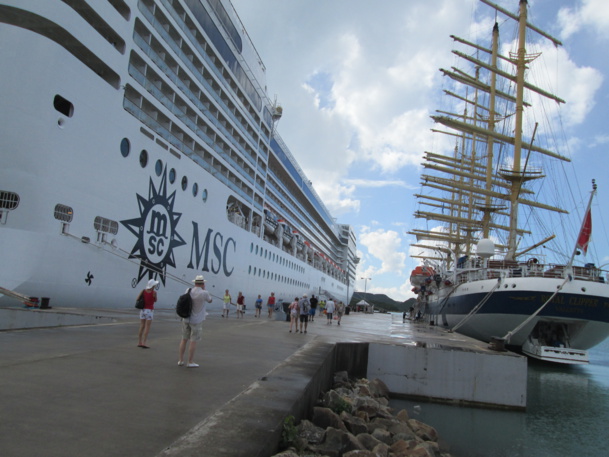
x=161, y=230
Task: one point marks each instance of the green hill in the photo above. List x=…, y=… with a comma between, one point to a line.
x=383, y=302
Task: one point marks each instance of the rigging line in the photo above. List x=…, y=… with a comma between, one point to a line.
x=134, y=260
x=508, y=335
x=478, y=306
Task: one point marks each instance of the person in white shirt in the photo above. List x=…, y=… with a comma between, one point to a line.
x=329, y=310
x=192, y=327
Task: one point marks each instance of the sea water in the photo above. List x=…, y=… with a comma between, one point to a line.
x=567, y=415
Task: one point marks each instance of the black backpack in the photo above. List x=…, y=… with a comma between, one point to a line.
x=184, y=305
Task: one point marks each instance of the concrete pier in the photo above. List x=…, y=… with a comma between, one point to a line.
x=87, y=389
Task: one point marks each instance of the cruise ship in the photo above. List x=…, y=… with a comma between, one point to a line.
x=139, y=142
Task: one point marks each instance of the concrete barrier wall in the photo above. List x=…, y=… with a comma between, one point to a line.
x=454, y=375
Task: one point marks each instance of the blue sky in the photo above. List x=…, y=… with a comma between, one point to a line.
x=358, y=80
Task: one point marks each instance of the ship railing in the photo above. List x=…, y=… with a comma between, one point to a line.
x=184, y=58
x=515, y=269
x=171, y=106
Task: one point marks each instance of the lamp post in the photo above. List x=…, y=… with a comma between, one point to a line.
x=365, y=282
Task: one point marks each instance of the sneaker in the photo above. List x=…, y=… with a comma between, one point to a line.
x=180, y=364
x=192, y=365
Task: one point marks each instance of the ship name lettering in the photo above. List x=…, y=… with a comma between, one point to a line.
x=580, y=301
x=220, y=247
x=157, y=233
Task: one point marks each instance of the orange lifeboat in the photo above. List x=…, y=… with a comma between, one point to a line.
x=421, y=275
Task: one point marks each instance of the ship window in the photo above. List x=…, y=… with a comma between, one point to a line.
x=195, y=189
x=184, y=182
x=8, y=200
x=125, y=147
x=63, y=213
x=254, y=271
x=158, y=167
x=172, y=175
x=204, y=195
x=144, y=158
x=252, y=247
x=102, y=224
x=63, y=106
x=256, y=250
x=249, y=270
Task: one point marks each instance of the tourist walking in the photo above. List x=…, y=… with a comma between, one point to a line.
x=258, y=306
x=304, y=306
x=294, y=313
x=146, y=314
x=313, y=309
x=192, y=327
x=340, y=310
x=270, y=304
x=226, y=305
x=330, y=310
x=240, y=305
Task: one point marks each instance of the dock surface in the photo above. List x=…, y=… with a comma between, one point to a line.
x=89, y=390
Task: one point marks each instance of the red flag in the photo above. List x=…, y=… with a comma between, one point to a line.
x=584, y=235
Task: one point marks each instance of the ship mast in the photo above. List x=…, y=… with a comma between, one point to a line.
x=487, y=209
x=517, y=175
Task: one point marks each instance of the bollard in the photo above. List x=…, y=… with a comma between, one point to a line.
x=44, y=303
x=497, y=344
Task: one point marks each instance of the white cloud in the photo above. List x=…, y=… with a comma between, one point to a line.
x=385, y=245
x=593, y=14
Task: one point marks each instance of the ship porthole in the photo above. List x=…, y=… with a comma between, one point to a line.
x=143, y=158
x=125, y=147
x=184, y=182
x=195, y=189
x=583, y=289
x=204, y=195
x=172, y=175
x=60, y=122
x=158, y=167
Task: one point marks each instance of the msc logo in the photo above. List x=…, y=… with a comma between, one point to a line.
x=156, y=233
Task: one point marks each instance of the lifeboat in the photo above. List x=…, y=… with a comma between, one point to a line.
x=270, y=222
x=421, y=275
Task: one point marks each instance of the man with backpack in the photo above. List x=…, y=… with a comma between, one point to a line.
x=304, y=305
x=192, y=326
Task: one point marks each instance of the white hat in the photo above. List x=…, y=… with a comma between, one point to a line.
x=152, y=283
x=199, y=279
x=304, y=295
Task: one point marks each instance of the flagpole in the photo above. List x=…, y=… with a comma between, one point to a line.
x=583, y=226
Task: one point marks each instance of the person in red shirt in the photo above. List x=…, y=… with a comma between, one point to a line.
x=147, y=314
x=270, y=304
x=240, y=306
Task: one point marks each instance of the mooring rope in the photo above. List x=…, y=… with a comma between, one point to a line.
x=478, y=306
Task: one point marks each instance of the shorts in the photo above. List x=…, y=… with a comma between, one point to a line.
x=304, y=318
x=146, y=314
x=226, y=306
x=192, y=332
x=239, y=307
x=258, y=306
x=329, y=316
x=312, y=312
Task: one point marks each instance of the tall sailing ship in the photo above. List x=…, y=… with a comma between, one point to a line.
x=484, y=270
x=139, y=143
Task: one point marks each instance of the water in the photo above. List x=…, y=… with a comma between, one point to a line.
x=567, y=415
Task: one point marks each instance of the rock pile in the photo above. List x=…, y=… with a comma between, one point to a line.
x=354, y=420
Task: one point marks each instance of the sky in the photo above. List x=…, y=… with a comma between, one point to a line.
x=358, y=81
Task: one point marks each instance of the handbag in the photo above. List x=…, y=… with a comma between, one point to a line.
x=139, y=303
